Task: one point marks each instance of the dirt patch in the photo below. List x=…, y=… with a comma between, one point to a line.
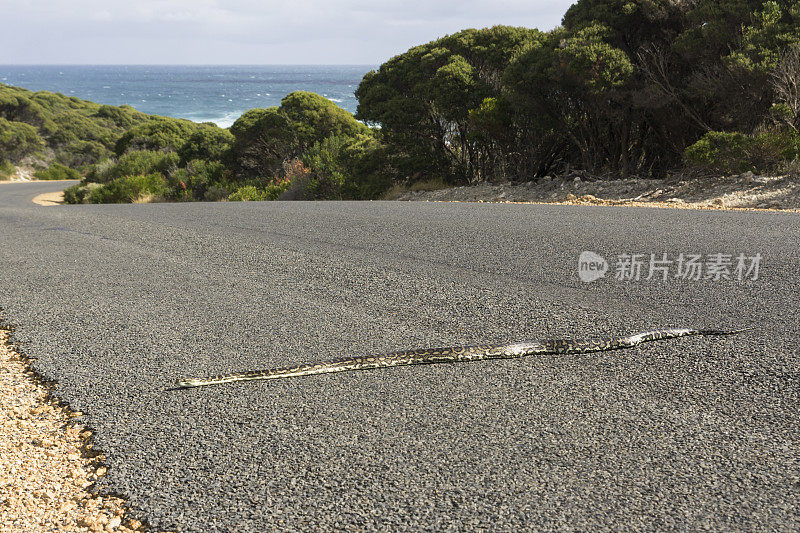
x=48, y=465
x=50, y=198
x=743, y=191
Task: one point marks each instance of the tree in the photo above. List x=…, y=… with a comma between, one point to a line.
x=263, y=139
x=266, y=138
x=422, y=100
x=314, y=118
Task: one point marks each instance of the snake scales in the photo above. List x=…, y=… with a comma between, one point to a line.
x=455, y=354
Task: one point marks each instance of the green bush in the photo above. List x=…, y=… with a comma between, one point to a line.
x=194, y=181
x=77, y=193
x=211, y=144
x=72, y=126
x=274, y=190
x=264, y=139
x=161, y=133
x=6, y=170
x=58, y=172
x=18, y=140
x=122, y=117
x=315, y=118
x=79, y=132
x=216, y=193
x=737, y=152
x=128, y=189
x=248, y=193
x=346, y=168
x=134, y=163
x=81, y=154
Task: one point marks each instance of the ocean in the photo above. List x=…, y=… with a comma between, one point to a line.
x=218, y=94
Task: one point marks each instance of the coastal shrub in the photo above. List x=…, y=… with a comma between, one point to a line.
x=211, y=144
x=73, y=125
x=368, y=171
x=77, y=193
x=81, y=154
x=128, y=189
x=58, y=172
x=159, y=133
x=254, y=193
x=217, y=193
x=721, y=151
x=16, y=106
x=122, y=117
x=263, y=139
x=194, y=180
x=325, y=161
x=737, y=152
x=347, y=168
x=301, y=184
x=6, y=169
x=248, y=193
x=18, y=140
x=78, y=132
x=134, y=163
x=315, y=118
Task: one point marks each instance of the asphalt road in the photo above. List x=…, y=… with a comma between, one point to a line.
x=117, y=302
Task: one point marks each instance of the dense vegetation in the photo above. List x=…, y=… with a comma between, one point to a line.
x=307, y=148
x=44, y=128
x=623, y=87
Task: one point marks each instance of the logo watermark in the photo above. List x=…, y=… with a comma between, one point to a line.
x=591, y=267
x=662, y=267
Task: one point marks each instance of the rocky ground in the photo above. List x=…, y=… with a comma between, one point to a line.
x=747, y=191
x=48, y=467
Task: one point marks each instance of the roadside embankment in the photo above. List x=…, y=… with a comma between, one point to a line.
x=742, y=191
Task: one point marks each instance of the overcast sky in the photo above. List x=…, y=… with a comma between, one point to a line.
x=245, y=31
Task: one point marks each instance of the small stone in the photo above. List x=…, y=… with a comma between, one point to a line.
x=114, y=522
x=570, y=197
x=101, y=471
x=718, y=202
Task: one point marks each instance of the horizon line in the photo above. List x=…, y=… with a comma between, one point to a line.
x=187, y=64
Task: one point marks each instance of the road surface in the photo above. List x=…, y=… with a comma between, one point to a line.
x=117, y=302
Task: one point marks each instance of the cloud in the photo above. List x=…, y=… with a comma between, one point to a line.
x=245, y=31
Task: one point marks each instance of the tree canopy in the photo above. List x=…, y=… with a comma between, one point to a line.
x=623, y=86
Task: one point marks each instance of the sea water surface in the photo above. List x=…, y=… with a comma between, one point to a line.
x=218, y=94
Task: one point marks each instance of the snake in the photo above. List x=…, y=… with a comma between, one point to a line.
x=455, y=354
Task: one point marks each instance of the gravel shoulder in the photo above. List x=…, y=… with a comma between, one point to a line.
x=742, y=191
x=48, y=466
